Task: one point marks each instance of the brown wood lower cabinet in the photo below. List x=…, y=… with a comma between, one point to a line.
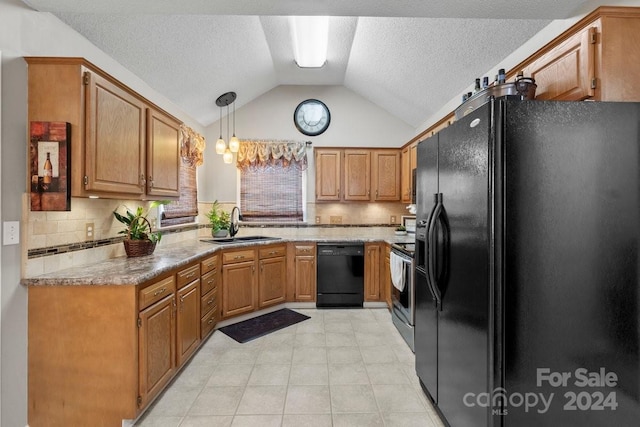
x=188, y=321
x=157, y=348
x=386, y=275
x=209, y=300
x=372, y=289
x=239, y=283
x=305, y=272
x=273, y=276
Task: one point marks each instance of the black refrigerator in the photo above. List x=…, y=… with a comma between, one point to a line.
x=527, y=265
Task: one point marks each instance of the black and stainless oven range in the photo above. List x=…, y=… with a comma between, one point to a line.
x=403, y=301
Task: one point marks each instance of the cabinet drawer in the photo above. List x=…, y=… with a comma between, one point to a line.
x=208, y=322
x=238, y=256
x=156, y=292
x=208, y=301
x=273, y=251
x=188, y=275
x=305, y=249
x=208, y=282
x=209, y=264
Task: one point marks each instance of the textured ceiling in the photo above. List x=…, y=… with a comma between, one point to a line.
x=409, y=57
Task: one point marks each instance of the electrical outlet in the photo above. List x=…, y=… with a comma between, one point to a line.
x=337, y=219
x=392, y=220
x=11, y=233
x=89, y=231
x=318, y=219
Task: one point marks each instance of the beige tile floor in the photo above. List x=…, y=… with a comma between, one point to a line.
x=338, y=368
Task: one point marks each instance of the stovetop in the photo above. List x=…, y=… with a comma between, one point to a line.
x=406, y=248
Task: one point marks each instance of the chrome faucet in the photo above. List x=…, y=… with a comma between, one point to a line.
x=234, y=226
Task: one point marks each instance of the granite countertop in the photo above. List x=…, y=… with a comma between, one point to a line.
x=134, y=271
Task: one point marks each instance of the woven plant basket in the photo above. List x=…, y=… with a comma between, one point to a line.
x=135, y=248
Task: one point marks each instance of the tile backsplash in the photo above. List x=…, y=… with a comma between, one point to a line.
x=63, y=234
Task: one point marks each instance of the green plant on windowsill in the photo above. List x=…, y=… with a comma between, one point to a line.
x=139, y=240
x=401, y=228
x=219, y=220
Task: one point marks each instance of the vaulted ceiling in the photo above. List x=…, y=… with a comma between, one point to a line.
x=409, y=57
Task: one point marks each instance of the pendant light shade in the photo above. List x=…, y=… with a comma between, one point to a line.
x=234, y=142
x=227, y=157
x=220, y=146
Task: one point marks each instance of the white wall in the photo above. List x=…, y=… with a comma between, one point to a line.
x=355, y=122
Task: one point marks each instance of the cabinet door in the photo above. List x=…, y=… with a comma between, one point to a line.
x=386, y=277
x=163, y=155
x=238, y=288
x=272, y=281
x=405, y=183
x=188, y=321
x=328, y=173
x=305, y=284
x=386, y=175
x=565, y=73
x=157, y=348
x=372, y=272
x=115, y=139
x=357, y=175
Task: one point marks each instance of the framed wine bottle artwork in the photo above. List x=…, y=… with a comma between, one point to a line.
x=49, y=161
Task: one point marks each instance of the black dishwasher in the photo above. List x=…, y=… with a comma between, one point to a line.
x=340, y=277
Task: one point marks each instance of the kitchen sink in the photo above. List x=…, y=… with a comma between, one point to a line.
x=243, y=239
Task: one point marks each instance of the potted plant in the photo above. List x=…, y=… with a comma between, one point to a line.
x=139, y=240
x=219, y=219
x=401, y=230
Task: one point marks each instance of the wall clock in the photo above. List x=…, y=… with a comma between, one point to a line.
x=312, y=117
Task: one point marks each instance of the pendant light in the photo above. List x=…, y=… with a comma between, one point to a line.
x=234, y=143
x=227, y=157
x=221, y=146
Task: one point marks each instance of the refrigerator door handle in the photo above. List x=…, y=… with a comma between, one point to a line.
x=427, y=270
x=432, y=255
x=439, y=279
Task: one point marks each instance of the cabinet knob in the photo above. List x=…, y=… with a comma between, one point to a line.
x=143, y=180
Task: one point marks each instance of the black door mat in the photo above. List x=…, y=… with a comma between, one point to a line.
x=262, y=325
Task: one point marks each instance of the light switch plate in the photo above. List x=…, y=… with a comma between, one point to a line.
x=10, y=233
x=392, y=220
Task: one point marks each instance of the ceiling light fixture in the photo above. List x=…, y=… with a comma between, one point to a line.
x=310, y=36
x=223, y=100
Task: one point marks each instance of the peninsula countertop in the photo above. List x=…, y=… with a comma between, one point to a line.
x=167, y=257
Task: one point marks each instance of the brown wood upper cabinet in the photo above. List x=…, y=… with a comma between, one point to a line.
x=409, y=163
x=591, y=60
x=122, y=146
x=163, y=156
x=357, y=174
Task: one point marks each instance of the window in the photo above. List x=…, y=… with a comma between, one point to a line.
x=185, y=210
x=272, y=180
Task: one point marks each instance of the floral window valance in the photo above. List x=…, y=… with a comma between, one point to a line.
x=191, y=146
x=257, y=154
